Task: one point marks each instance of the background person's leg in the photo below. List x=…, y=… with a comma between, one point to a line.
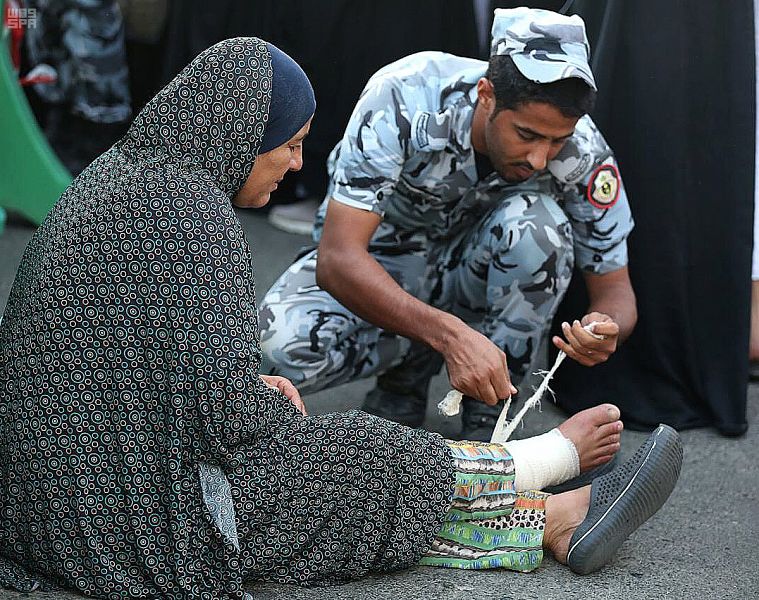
x=506, y=279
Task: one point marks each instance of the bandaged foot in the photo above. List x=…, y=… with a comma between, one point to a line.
x=595, y=433
x=543, y=461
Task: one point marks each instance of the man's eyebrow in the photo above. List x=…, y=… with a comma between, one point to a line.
x=533, y=133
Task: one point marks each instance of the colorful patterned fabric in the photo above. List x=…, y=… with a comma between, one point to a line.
x=489, y=525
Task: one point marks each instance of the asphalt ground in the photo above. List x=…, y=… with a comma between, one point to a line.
x=702, y=544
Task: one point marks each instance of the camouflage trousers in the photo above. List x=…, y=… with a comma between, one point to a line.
x=504, y=277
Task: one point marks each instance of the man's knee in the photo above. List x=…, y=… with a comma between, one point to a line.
x=289, y=342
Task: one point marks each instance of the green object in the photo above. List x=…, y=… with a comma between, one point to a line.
x=31, y=176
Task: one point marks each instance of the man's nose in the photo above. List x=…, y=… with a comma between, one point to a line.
x=538, y=156
x=296, y=161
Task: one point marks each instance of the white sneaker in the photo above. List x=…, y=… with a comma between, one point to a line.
x=294, y=218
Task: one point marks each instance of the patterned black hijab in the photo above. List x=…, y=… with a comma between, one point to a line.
x=236, y=98
x=129, y=350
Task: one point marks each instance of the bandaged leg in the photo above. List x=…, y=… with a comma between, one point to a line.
x=543, y=460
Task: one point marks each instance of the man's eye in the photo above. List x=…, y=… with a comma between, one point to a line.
x=526, y=137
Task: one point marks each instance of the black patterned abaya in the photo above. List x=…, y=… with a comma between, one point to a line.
x=140, y=453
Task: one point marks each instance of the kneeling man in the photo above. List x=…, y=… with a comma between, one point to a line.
x=461, y=197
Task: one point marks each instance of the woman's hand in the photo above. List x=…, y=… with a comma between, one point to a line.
x=287, y=388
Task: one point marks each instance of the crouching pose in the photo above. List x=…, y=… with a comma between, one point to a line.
x=143, y=454
x=460, y=198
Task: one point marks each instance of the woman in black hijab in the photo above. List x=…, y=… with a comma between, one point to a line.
x=141, y=452
x=129, y=360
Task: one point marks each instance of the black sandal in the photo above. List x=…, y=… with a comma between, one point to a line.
x=624, y=499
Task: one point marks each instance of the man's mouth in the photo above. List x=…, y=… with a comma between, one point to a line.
x=524, y=172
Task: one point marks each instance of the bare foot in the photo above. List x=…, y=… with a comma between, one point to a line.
x=564, y=513
x=595, y=432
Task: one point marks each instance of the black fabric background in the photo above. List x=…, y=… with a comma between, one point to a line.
x=676, y=104
x=339, y=44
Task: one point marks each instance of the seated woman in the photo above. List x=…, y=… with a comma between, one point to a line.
x=142, y=454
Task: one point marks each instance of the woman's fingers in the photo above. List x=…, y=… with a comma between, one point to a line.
x=285, y=386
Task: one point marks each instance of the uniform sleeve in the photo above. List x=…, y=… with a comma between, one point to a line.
x=594, y=199
x=370, y=157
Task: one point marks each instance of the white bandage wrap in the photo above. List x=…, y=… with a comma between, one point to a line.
x=543, y=460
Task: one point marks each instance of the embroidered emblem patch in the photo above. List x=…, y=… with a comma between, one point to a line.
x=429, y=131
x=603, y=187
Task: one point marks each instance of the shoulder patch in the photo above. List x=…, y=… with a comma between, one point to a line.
x=603, y=187
x=430, y=131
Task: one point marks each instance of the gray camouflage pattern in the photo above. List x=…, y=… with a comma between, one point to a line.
x=497, y=254
x=544, y=45
x=83, y=40
x=505, y=277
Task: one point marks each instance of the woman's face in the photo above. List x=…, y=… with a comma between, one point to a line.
x=269, y=169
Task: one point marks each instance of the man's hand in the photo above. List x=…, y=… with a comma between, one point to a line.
x=477, y=367
x=585, y=347
x=287, y=388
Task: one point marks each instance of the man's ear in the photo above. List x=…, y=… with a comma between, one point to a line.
x=486, y=94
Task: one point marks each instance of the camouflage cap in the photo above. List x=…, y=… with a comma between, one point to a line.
x=545, y=46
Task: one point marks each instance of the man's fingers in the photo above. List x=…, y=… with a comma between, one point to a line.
x=501, y=385
x=598, y=340
x=583, y=359
x=571, y=335
x=608, y=329
x=510, y=389
x=488, y=394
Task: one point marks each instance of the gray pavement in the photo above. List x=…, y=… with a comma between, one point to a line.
x=702, y=544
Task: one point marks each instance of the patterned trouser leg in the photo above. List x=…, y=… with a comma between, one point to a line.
x=505, y=277
x=489, y=525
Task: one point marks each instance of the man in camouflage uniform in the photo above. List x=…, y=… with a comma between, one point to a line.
x=451, y=226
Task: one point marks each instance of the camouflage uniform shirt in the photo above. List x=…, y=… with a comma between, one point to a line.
x=407, y=156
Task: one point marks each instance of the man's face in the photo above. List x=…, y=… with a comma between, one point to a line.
x=520, y=142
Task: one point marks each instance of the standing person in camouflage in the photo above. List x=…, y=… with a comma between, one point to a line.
x=461, y=197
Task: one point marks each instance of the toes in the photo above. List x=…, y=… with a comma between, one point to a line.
x=609, y=450
x=612, y=411
x=609, y=430
x=602, y=460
